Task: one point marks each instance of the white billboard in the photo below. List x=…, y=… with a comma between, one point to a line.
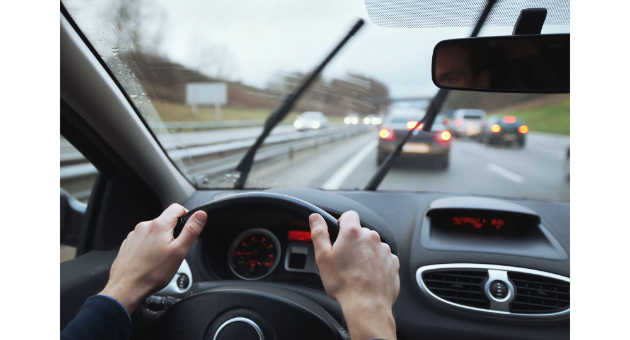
x=206, y=94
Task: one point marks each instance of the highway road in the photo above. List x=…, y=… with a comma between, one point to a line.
x=537, y=171
x=174, y=141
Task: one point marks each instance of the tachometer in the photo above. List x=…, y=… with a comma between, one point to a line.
x=254, y=254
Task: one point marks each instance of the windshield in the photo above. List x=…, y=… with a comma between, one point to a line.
x=205, y=74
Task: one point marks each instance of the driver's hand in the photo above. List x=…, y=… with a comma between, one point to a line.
x=150, y=256
x=361, y=273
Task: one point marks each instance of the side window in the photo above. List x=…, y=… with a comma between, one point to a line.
x=77, y=177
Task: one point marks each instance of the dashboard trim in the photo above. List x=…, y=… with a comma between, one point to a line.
x=499, y=304
x=305, y=248
x=490, y=268
x=243, y=320
x=172, y=288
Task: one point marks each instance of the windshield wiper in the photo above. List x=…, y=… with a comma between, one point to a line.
x=284, y=107
x=434, y=107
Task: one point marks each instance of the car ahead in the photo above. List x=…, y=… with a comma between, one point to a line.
x=504, y=130
x=467, y=123
x=351, y=119
x=310, y=120
x=433, y=146
x=372, y=120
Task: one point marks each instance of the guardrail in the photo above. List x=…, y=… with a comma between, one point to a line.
x=201, y=162
x=74, y=157
x=199, y=126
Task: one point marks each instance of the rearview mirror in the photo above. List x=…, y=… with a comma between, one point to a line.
x=520, y=64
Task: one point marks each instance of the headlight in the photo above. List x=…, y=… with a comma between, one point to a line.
x=366, y=120
x=315, y=125
x=376, y=121
x=355, y=120
x=297, y=124
x=347, y=120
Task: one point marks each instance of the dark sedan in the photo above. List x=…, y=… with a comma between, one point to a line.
x=433, y=146
x=504, y=130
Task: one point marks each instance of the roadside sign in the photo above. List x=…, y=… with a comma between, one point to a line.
x=206, y=94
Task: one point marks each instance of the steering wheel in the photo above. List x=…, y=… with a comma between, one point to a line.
x=249, y=311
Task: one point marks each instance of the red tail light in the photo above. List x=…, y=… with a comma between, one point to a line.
x=523, y=129
x=496, y=128
x=509, y=119
x=446, y=122
x=387, y=134
x=442, y=137
x=411, y=124
x=484, y=123
x=458, y=122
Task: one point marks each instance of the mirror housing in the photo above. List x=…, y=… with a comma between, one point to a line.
x=517, y=64
x=71, y=214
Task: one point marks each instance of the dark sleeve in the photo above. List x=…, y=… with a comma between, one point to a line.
x=101, y=317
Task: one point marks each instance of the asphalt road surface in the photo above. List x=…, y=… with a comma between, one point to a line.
x=537, y=171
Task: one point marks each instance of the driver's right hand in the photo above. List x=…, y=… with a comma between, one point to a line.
x=361, y=273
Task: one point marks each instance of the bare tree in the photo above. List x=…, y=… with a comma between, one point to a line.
x=214, y=60
x=139, y=26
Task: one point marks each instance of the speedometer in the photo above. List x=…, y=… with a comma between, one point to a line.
x=254, y=254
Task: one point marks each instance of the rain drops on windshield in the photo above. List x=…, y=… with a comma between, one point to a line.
x=206, y=76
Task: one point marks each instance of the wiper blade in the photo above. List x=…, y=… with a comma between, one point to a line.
x=434, y=107
x=283, y=109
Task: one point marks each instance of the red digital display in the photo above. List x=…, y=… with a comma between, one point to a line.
x=299, y=235
x=479, y=222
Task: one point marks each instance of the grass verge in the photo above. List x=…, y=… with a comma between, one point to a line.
x=175, y=112
x=554, y=118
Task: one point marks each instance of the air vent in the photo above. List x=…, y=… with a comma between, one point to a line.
x=463, y=287
x=537, y=294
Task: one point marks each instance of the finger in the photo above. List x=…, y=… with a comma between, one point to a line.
x=319, y=234
x=386, y=248
x=374, y=236
x=170, y=215
x=192, y=230
x=396, y=262
x=349, y=223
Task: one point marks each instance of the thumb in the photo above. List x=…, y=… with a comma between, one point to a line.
x=192, y=229
x=319, y=234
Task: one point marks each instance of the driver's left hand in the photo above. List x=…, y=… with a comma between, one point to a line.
x=150, y=256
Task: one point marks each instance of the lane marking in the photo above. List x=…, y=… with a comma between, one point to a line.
x=505, y=173
x=335, y=181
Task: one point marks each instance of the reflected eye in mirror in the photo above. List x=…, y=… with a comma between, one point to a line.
x=525, y=64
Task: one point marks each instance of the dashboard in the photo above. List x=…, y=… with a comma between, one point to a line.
x=262, y=245
x=471, y=267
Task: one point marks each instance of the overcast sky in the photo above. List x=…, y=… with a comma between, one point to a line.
x=273, y=36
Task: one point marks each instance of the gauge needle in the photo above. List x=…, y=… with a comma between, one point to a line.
x=243, y=253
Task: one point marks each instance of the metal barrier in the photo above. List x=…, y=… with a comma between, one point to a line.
x=199, y=162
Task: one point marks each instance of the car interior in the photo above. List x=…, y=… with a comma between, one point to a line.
x=472, y=266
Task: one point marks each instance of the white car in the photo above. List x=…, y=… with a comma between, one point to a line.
x=351, y=119
x=372, y=120
x=468, y=122
x=310, y=120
